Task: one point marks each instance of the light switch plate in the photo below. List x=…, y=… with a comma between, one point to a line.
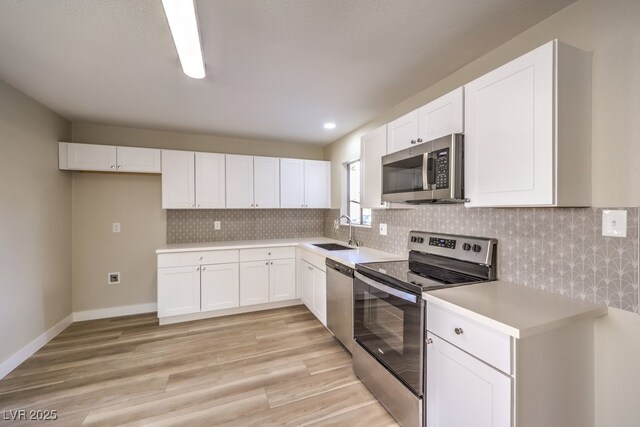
x=115, y=227
x=614, y=223
x=216, y=225
x=383, y=229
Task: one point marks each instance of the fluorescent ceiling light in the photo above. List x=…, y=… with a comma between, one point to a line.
x=181, y=15
x=330, y=125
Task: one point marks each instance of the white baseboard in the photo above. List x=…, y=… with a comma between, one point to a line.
x=105, y=313
x=226, y=312
x=27, y=351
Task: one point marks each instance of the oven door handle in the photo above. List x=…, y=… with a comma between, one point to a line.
x=428, y=171
x=388, y=289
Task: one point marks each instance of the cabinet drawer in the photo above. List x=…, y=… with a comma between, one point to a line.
x=260, y=254
x=197, y=258
x=315, y=260
x=482, y=342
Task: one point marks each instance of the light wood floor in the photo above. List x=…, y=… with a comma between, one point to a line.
x=276, y=367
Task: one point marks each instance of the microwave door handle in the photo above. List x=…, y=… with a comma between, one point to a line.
x=428, y=172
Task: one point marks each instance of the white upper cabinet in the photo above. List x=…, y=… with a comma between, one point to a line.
x=140, y=160
x=178, y=179
x=403, y=132
x=373, y=146
x=291, y=183
x=438, y=118
x=316, y=184
x=442, y=117
x=266, y=179
x=210, y=180
x=90, y=157
x=239, y=181
x=527, y=124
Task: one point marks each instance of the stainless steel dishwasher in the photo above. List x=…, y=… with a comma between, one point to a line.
x=340, y=302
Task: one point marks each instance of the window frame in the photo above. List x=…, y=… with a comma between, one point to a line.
x=360, y=220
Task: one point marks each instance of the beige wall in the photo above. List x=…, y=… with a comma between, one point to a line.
x=134, y=200
x=609, y=29
x=35, y=221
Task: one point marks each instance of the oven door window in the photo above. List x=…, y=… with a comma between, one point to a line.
x=390, y=328
x=403, y=176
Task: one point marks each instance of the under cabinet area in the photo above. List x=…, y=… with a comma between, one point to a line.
x=527, y=124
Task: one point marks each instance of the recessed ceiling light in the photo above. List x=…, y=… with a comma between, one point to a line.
x=330, y=125
x=181, y=15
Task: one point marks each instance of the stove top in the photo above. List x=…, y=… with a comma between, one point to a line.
x=437, y=261
x=415, y=278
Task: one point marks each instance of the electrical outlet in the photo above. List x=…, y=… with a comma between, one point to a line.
x=115, y=227
x=113, y=278
x=614, y=223
x=216, y=225
x=383, y=229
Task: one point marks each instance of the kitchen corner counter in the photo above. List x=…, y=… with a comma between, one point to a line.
x=516, y=310
x=347, y=257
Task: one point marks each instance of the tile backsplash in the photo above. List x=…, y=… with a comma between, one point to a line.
x=560, y=250
x=197, y=225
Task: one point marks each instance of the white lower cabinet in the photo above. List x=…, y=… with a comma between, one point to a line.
x=282, y=280
x=314, y=291
x=178, y=290
x=220, y=286
x=254, y=282
x=463, y=391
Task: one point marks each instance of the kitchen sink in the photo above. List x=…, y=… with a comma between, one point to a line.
x=332, y=247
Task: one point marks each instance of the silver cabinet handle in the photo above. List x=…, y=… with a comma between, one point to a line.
x=198, y=269
x=197, y=206
x=203, y=268
x=429, y=341
x=419, y=140
x=310, y=268
x=119, y=166
x=266, y=263
x=302, y=206
x=192, y=205
x=200, y=258
x=269, y=253
x=256, y=205
x=113, y=167
x=413, y=141
x=271, y=262
x=458, y=331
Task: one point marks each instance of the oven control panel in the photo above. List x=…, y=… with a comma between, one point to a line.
x=442, y=168
x=465, y=248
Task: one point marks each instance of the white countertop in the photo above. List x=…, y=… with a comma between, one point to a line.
x=514, y=309
x=347, y=257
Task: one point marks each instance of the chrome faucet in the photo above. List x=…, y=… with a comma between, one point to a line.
x=351, y=241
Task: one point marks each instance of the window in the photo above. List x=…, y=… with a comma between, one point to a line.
x=356, y=213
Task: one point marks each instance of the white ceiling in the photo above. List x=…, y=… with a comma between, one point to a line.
x=276, y=69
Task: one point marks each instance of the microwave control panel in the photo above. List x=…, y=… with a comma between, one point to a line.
x=441, y=168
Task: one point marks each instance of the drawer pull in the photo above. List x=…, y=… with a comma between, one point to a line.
x=429, y=341
x=458, y=331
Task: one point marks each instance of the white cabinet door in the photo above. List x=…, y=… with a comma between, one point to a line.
x=178, y=179
x=509, y=133
x=254, y=282
x=266, y=179
x=403, y=132
x=316, y=175
x=91, y=157
x=178, y=291
x=463, y=391
x=141, y=160
x=220, y=286
x=307, y=285
x=442, y=116
x=320, y=295
x=282, y=280
x=291, y=183
x=239, y=181
x=373, y=146
x=210, y=180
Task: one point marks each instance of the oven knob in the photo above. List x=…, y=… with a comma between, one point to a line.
x=476, y=248
x=466, y=247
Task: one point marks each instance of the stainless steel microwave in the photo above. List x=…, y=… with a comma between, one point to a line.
x=431, y=172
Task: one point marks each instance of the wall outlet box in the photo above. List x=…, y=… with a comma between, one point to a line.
x=216, y=225
x=115, y=227
x=383, y=229
x=113, y=278
x=614, y=223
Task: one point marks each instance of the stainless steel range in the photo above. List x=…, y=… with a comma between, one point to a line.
x=389, y=317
